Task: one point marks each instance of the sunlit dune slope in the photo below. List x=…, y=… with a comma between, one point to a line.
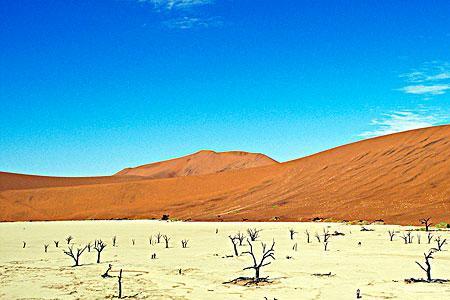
x=398, y=178
x=200, y=163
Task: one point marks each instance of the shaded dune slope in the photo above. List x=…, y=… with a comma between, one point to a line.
x=14, y=181
x=398, y=178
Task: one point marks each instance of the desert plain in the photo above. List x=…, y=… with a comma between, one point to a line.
x=364, y=260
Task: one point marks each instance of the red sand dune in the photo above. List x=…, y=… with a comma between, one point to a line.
x=200, y=163
x=13, y=181
x=398, y=178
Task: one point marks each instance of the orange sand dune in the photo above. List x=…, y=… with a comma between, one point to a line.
x=398, y=178
x=200, y=163
x=14, y=181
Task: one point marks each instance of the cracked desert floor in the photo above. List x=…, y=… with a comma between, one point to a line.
x=377, y=267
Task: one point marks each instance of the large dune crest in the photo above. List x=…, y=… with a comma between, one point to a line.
x=398, y=178
x=200, y=163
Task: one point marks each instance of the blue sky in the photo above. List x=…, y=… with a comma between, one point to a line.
x=90, y=87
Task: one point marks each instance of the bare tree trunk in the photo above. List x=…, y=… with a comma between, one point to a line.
x=430, y=237
x=166, y=240
x=257, y=274
x=233, y=241
x=427, y=269
x=307, y=236
x=120, y=284
x=391, y=235
x=292, y=232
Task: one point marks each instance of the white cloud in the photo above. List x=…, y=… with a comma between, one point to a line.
x=431, y=79
x=181, y=14
x=437, y=89
x=177, y=4
x=403, y=120
x=193, y=22
x=430, y=71
x=440, y=76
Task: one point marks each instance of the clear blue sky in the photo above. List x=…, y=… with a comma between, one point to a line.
x=90, y=87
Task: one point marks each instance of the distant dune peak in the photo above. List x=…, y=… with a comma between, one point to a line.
x=199, y=163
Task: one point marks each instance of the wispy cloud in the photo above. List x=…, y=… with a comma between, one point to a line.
x=403, y=120
x=193, y=22
x=437, y=89
x=184, y=14
x=177, y=4
x=419, y=76
x=432, y=78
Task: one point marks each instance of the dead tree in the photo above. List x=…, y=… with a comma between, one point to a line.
x=88, y=245
x=366, y=229
x=266, y=254
x=407, y=237
x=120, y=284
x=429, y=237
x=56, y=243
x=99, y=245
x=410, y=238
x=24, y=244
x=253, y=233
x=75, y=255
x=427, y=267
x=114, y=239
x=427, y=223
x=166, y=239
x=234, y=241
x=418, y=238
x=158, y=237
x=184, y=243
x=133, y=241
x=45, y=248
x=150, y=240
x=106, y=274
x=391, y=234
x=240, y=236
x=292, y=232
x=294, y=247
x=317, y=237
x=326, y=237
x=307, y=236
x=69, y=239
x=439, y=243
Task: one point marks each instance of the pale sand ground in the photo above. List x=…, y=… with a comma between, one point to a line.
x=377, y=267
